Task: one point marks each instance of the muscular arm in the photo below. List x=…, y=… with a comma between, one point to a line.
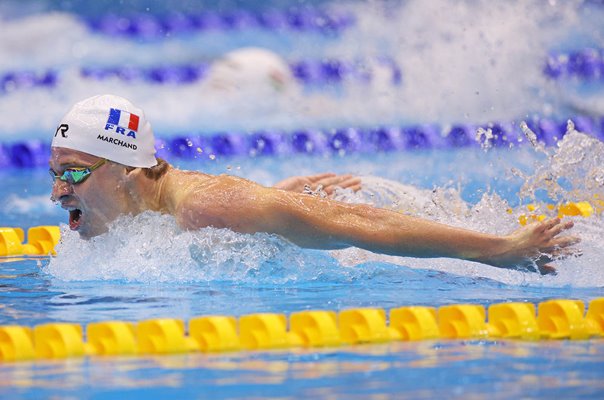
x=326, y=224
x=320, y=223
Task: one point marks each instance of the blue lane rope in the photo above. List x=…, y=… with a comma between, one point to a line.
x=309, y=72
x=336, y=142
x=151, y=26
x=298, y=19
x=584, y=64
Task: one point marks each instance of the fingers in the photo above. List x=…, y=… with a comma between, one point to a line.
x=356, y=188
x=560, y=248
x=316, y=178
x=550, y=223
x=565, y=241
x=344, y=181
x=349, y=183
x=555, y=229
x=555, y=224
x=552, y=228
x=333, y=180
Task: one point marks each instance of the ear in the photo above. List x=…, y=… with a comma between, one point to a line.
x=131, y=176
x=132, y=170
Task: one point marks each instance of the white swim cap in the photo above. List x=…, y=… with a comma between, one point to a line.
x=250, y=69
x=110, y=127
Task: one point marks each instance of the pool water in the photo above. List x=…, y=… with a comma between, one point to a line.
x=482, y=63
x=241, y=274
x=501, y=369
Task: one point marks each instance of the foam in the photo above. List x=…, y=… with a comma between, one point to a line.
x=151, y=248
x=573, y=171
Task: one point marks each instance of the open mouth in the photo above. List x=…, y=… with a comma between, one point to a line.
x=74, y=219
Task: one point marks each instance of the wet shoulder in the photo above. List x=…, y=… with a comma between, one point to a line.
x=206, y=200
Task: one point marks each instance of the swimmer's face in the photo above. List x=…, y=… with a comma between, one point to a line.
x=95, y=202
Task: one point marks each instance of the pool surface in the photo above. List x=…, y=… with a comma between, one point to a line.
x=411, y=108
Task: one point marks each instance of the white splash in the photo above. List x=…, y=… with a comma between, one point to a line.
x=150, y=247
x=574, y=172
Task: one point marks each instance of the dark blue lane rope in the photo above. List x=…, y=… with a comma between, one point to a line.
x=149, y=26
x=584, y=64
x=308, y=72
x=335, y=142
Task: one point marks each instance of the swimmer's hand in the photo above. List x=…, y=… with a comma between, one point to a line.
x=536, y=244
x=326, y=182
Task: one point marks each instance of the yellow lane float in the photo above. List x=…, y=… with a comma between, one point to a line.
x=560, y=319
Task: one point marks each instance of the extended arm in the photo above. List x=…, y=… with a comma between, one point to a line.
x=326, y=224
x=321, y=223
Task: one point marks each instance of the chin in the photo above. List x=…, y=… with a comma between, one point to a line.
x=90, y=233
x=85, y=235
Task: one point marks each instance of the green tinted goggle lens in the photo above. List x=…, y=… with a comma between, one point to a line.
x=72, y=176
x=77, y=174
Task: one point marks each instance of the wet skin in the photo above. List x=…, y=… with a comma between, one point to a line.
x=199, y=200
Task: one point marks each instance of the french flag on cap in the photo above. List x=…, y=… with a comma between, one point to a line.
x=123, y=119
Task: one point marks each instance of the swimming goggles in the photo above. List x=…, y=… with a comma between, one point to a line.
x=75, y=175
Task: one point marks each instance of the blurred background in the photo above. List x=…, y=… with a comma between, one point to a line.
x=304, y=64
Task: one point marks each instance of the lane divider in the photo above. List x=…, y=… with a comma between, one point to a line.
x=337, y=142
x=41, y=241
x=583, y=64
x=555, y=319
x=308, y=71
x=149, y=26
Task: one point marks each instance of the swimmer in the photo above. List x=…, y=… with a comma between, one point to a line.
x=103, y=165
x=250, y=71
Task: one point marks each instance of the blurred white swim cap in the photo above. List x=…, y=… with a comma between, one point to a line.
x=250, y=69
x=110, y=127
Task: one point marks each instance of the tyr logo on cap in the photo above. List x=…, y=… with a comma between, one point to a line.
x=63, y=128
x=122, y=122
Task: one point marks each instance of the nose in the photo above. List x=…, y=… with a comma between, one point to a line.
x=60, y=189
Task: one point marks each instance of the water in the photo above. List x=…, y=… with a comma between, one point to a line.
x=464, y=62
x=158, y=270
x=424, y=369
